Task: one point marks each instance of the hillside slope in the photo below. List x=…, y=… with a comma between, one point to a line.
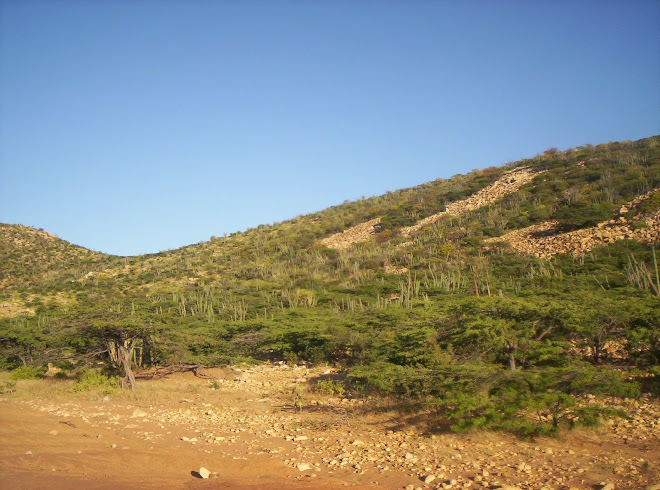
x=30, y=256
x=546, y=265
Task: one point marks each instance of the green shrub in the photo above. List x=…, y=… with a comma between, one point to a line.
x=329, y=387
x=527, y=403
x=650, y=204
x=88, y=380
x=583, y=214
x=8, y=388
x=537, y=402
x=25, y=372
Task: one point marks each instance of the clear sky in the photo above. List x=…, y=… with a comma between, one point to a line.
x=138, y=126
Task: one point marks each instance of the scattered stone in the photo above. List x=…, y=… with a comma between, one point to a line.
x=53, y=432
x=113, y=446
x=137, y=413
x=607, y=486
x=204, y=473
x=431, y=462
x=28, y=453
x=428, y=479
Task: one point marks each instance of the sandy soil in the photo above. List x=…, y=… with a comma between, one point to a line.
x=244, y=429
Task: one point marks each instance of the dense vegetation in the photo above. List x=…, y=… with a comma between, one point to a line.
x=472, y=334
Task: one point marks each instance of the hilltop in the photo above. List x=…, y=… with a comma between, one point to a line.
x=532, y=278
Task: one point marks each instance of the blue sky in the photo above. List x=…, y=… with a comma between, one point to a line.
x=131, y=127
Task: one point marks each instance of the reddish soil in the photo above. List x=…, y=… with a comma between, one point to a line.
x=244, y=428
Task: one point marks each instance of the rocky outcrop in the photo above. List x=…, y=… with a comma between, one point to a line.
x=510, y=182
x=356, y=234
x=541, y=240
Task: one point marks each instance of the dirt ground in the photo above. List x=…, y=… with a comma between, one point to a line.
x=245, y=428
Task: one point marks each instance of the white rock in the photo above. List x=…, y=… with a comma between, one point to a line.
x=137, y=413
x=303, y=467
x=204, y=473
x=608, y=486
x=428, y=479
x=357, y=442
x=300, y=438
x=409, y=456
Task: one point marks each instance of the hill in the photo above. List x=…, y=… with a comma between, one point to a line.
x=511, y=283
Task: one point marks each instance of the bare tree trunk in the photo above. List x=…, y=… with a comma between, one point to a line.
x=122, y=358
x=114, y=355
x=597, y=351
x=126, y=355
x=510, y=349
x=512, y=362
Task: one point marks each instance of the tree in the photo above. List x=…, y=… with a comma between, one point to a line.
x=121, y=354
x=121, y=341
x=516, y=331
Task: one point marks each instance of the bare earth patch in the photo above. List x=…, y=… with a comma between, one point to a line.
x=245, y=430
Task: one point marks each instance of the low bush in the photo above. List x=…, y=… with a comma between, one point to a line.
x=8, y=387
x=89, y=379
x=25, y=372
x=329, y=387
x=527, y=403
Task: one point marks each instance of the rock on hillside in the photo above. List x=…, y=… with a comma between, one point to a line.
x=510, y=182
x=356, y=234
x=542, y=242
